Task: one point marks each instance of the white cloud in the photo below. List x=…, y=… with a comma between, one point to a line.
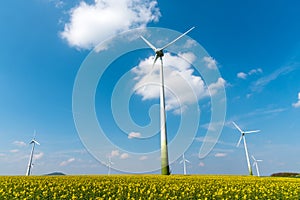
x=212, y=139
x=297, y=104
x=220, y=155
x=134, y=135
x=67, y=162
x=201, y=164
x=38, y=156
x=242, y=75
x=143, y=158
x=114, y=153
x=189, y=43
x=182, y=87
x=255, y=71
x=19, y=143
x=14, y=151
x=210, y=62
x=90, y=24
x=57, y=3
x=124, y=155
x=214, y=87
x=262, y=82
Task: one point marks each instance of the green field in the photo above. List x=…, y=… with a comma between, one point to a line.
x=148, y=187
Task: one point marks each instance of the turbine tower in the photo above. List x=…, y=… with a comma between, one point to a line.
x=245, y=144
x=184, y=163
x=256, y=164
x=165, y=169
x=33, y=142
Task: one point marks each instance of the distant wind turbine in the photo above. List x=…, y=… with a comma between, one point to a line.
x=109, y=164
x=33, y=142
x=184, y=160
x=245, y=145
x=165, y=169
x=256, y=164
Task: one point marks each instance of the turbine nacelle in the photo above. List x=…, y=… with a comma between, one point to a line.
x=34, y=142
x=243, y=133
x=159, y=53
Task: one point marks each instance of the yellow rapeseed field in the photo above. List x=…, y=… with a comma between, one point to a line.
x=148, y=187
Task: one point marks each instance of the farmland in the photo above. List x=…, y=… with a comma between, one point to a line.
x=148, y=187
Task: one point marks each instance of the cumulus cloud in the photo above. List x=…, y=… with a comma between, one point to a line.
x=19, y=143
x=67, y=162
x=183, y=88
x=201, y=164
x=124, y=155
x=143, y=158
x=243, y=75
x=14, y=151
x=114, y=153
x=297, y=104
x=218, y=155
x=90, y=24
x=38, y=156
x=211, y=63
x=134, y=135
x=255, y=71
x=189, y=43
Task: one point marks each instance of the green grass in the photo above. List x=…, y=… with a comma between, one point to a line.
x=148, y=187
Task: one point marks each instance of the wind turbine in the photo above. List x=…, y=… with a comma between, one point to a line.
x=33, y=142
x=256, y=164
x=165, y=169
x=184, y=165
x=109, y=164
x=245, y=145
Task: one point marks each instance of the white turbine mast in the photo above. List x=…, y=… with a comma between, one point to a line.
x=184, y=160
x=165, y=169
x=33, y=142
x=242, y=137
x=255, y=163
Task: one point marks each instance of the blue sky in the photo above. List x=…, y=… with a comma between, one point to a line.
x=255, y=46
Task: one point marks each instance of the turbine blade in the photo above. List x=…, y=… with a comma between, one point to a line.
x=177, y=38
x=34, y=141
x=252, y=131
x=259, y=160
x=253, y=158
x=238, y=144
x=188, y=161
x=149, y=44
x=238, y=128
x=181, y=162
x=155, y=59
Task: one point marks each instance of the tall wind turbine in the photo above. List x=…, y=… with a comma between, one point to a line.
x=165, y=169
x=33, y=142
x=245, y=145
x=256, y=165
x=184, y=160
